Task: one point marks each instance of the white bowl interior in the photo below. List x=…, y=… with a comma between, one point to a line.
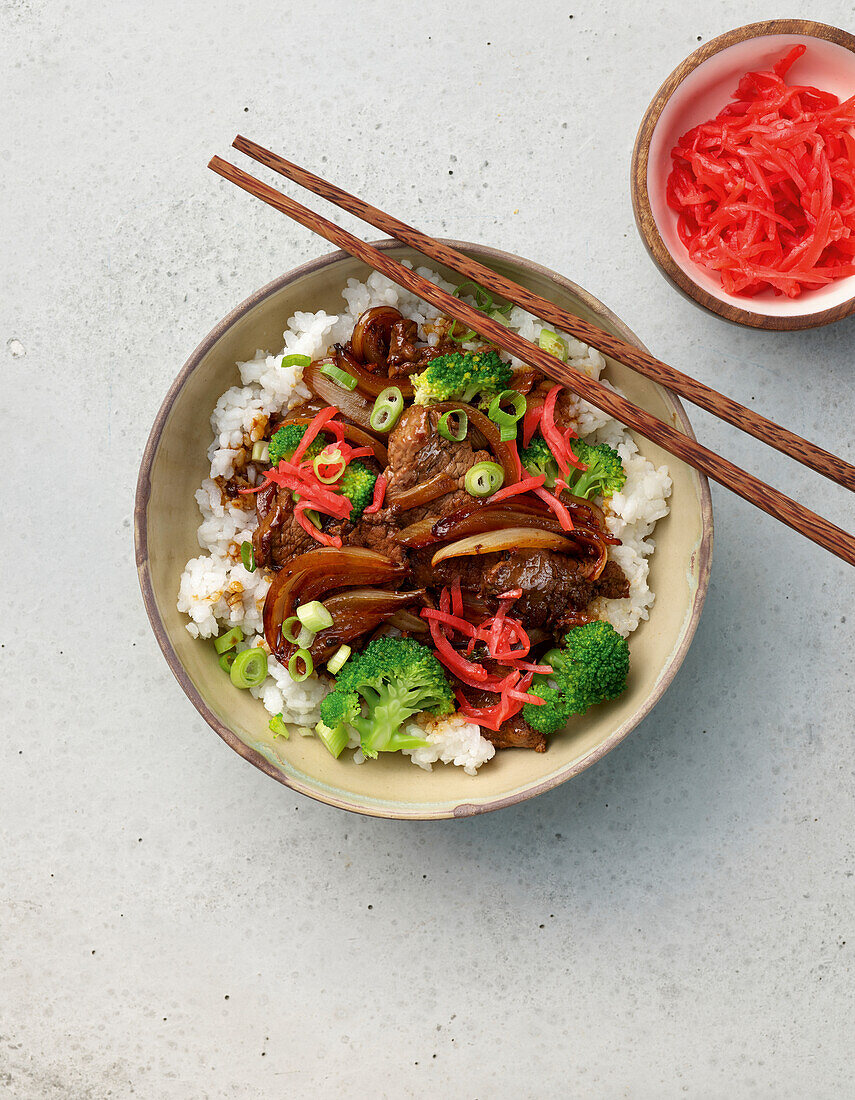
x=701, y=96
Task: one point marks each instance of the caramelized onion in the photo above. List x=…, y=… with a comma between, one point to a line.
x=437, y=486
x=505, y=539
x=353, y=404
x=351, y=433
x=371, y=334
x=477, y=518
x=407, y=622
x=355, y=612
x=309, y=576
x=373, y=384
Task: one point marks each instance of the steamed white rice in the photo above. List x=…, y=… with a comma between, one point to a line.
x=216, y=592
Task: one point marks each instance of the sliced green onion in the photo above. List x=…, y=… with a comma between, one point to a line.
x=305, y=731
x=247, y=556
x=501, y=416
x=483, y=479
x=483, y=298
x=308, y=666
x=453, y=435
x=336, y=662
x=249, y=668
x=334, y=739
x=305, y=638
x=291, y=630
x=295, y=361
x=260, y=451
x=328, y=457
x=314, y=616
x=313, y=517
x=500, y=316
x=387, y=408
x=226, y=661
x=469, y=334
x=338, y=375
x=278, y=727
x=229, y=640
x=550, y=341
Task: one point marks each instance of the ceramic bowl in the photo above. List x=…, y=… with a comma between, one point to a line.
x=696, y=91
x=166, y=518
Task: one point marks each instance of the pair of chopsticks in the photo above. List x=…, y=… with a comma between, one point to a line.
x=720, y=469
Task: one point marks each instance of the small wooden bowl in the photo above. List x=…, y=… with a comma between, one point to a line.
x=166, y=519
x=696, y=91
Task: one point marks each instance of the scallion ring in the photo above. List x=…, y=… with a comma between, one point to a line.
x=387, y=409
x=483, y=479
x=314, y=616
x=249, y=669
x=507, y=421
x=229, y=640
x=329, y=458
x=291, y=630
x=260, y=451
x=295, y=361
x=277, y=727
x=453, y=435
x=338, y=375
x=483, y=298
x=226, y=661
x=247, y=556
x=550, y=341
x=468, y=334
x=308, y=666
x=338, y=659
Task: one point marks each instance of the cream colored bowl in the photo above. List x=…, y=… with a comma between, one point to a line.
x=166, y=518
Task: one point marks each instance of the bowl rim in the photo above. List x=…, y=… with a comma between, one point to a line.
x=645, y=220
x=462, y=809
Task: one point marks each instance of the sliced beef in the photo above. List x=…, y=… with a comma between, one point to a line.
x=612, y=583
x=516, y=733
x=375, y=531
x=550, y=583
x=420, y=458
x=278, y=537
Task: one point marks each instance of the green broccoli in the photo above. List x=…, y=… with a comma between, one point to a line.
x=591, y=668
x=460, y=376
x=357, y=484
x=605, y=474
x=538, y=459
x=395, y=678
x=285, y=441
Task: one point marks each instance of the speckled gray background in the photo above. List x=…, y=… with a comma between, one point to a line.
x=676, y=921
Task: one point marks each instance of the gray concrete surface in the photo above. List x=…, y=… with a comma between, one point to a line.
x=676, y=921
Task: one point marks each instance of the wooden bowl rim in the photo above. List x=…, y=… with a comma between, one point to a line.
x=463, y=809
x=641, y=206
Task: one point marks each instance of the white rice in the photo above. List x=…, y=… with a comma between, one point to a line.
x=216, y=592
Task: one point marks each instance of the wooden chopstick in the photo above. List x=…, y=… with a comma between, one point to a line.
x=725, y=408
x=750, y=488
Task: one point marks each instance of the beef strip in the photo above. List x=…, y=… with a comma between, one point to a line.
x=278, y=537
x=515, y=732
x=418, y=453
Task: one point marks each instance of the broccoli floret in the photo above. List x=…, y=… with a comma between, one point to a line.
x=396, y=678
x=285, y=441
x=461, y=375
x=357, y=484
x=590, y=668
x=605, y=474
x=538, y=459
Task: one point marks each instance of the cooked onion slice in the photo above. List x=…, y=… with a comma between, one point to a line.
x=365, y=380
x=371, y=334
x=355, y=612
x=311, y=575
x=353, y=404
x=508, y=538
x=425, y=492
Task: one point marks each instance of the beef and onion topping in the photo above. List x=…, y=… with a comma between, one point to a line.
x=416, y=544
